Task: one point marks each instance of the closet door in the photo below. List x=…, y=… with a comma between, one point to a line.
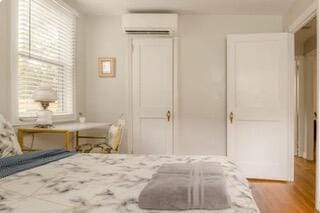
x=152, y=63
x=260, y=102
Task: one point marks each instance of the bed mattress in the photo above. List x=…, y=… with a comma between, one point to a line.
x=104, y=183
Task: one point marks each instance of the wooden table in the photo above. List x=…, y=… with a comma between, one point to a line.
x=64, y=128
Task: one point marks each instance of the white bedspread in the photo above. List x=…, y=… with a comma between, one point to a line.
x=103, y=183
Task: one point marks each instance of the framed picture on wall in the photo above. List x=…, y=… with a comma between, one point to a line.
x=107, y=67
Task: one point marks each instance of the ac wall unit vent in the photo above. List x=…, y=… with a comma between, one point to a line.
x=155, y=32
x=150, y=24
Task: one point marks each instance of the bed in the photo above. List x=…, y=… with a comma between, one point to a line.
x=103, y=183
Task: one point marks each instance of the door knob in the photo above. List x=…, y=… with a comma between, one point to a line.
x=231, y=117
x=168, y=115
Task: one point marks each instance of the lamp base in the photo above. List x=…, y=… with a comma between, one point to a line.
x=44, y=119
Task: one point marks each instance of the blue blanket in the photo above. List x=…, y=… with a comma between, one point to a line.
x=18, y=163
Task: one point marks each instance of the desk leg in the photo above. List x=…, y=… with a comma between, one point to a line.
x=77, y=139
x=21, y=139
x=67, y=140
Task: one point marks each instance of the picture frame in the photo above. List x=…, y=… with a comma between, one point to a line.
x=107, y=67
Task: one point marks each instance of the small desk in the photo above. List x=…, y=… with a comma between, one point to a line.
x=63, y=128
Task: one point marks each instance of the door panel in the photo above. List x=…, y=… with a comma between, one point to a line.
x=258, y=97
x=152, y=96
x=154, y=136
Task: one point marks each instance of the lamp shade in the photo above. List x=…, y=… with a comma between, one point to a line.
x=44, y=93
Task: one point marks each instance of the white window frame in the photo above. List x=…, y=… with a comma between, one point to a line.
x=14, y=107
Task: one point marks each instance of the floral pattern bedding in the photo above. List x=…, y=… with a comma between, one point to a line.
x=104, y=183
x=9, y=145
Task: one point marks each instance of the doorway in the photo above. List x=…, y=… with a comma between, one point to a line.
x=306, y=107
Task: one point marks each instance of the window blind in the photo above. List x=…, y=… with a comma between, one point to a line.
x=46, y=54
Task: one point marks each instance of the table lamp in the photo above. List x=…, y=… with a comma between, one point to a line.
x=44, y=95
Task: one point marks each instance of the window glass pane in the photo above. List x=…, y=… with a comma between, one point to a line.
x=46, y=48
x=32, y=73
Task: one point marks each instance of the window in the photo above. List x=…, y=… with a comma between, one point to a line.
x=46, y=54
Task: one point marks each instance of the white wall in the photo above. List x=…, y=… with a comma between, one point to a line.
x=310, y=44
x=106, y=98
x=203, y=77
x=299, y=48
x=310, y=73
x=202, y=74
x=4, y=57
x=307, y=99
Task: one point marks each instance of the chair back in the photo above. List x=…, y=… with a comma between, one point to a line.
x=121, y=123
x=114, y=139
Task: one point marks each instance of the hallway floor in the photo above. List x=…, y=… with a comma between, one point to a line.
x=282, y=197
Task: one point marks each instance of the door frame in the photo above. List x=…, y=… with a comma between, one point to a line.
x=175, y=101
x=306, y=16
x=299, y=135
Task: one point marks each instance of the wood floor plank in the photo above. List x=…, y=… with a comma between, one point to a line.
x=282, y=197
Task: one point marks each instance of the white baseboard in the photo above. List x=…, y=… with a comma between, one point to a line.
x=304, y=155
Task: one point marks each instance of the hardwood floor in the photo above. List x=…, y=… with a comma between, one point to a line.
x=282, y=197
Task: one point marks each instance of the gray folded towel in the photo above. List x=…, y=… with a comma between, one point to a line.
x=199, y=188
x=208, y=168
x=215, y=195
x=166, y=192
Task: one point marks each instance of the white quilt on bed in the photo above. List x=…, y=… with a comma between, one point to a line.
x=103, y=183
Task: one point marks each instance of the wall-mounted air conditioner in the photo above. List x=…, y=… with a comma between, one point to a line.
x=147, y=23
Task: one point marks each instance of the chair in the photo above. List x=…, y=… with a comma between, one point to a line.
x=112, y=141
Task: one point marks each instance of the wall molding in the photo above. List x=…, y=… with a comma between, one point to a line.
x=304, y=18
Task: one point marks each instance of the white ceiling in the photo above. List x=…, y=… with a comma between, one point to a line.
x=234, y=7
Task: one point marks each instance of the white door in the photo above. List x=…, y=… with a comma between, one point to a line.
x=259, y=97
x=152, y=61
